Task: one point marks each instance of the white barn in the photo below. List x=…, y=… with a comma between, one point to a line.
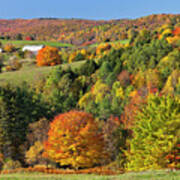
x=33, y=48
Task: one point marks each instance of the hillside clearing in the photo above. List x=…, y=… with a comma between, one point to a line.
x=32, y=74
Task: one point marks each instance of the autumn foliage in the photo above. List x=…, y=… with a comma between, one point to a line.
x=176, y=32
x=74, y=140
x=28, y=38
x=174, y=157
x=131, y=88
x=9, y=48
x=78, y=31
x=48, y=56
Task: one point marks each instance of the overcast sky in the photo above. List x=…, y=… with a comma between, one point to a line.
x=86, y=9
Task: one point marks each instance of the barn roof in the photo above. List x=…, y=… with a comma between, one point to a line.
x=32, y=47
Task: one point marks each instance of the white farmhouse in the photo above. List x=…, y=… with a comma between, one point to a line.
x=33, y=48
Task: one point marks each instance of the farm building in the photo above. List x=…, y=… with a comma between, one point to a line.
x=1, y=50
x=32, y=48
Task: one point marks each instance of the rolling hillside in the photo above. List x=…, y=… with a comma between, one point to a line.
x=78, y=31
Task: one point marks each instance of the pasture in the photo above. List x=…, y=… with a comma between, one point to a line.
x=31, y=73
x=150, y=175
x=20, y=43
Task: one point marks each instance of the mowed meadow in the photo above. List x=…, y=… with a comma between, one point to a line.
x=90, y=99
x=159, y=175
x=21, y=43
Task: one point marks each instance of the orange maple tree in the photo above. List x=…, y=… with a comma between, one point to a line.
x=9, y=48
x=48, y=56
x=74, y=140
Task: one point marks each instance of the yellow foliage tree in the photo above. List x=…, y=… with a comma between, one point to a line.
x=119, y=92
x=99, y=90
x=97, y=93
x=172, y=82
x=34, y=154
x=74, y=140
x=102, y=47
x=150, y=79
x=72, y=57
x=84, y=100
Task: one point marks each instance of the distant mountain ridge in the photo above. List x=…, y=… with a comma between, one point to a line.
x=80, y=31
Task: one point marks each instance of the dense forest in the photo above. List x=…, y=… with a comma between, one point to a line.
x=78, y=31
x=120, y=109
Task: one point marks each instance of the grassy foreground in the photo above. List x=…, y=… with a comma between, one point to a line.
x=151, y=175
x=20, y=43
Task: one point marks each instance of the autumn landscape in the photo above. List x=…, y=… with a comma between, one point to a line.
x=90, y=99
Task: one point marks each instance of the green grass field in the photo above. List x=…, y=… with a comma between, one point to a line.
x=20, y=43
x=32, y=73
x=151, y=175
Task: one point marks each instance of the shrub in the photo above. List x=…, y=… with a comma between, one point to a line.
x=48, y=56
x=74, y=140
x=34, y=154
x=29, y=55
x=10, y=164
x=13, y=64
x=20, y=54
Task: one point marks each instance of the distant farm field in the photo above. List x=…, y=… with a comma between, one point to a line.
x=20, y=43
x=154, y=175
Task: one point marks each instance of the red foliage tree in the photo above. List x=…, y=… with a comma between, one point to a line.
x=174, y=157
x=176, y=31
x=29, y=38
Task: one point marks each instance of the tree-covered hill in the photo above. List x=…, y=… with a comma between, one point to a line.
x=117, y=111
x=78, y=31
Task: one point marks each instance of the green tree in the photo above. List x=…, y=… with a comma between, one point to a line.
x=18, y=108
x=155, y=134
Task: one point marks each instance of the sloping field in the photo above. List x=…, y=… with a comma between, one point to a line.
x=32, y=74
